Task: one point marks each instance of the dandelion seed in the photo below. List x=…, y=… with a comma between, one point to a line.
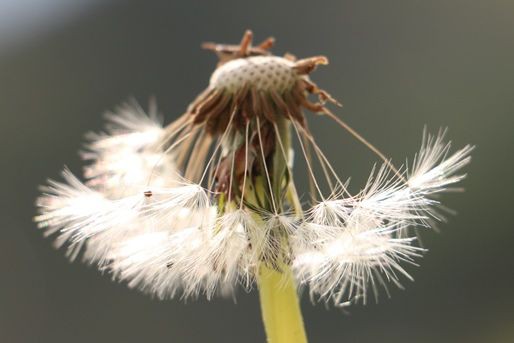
x=209, y=202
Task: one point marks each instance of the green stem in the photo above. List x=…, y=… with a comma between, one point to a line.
x=280, y=307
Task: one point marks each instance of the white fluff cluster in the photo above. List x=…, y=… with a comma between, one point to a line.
x=172, y=241
x=139, y=220
x=348, y=245
x=127, y=156
x=205, y=258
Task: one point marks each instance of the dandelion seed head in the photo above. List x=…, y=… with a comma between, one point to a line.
x=198, y=207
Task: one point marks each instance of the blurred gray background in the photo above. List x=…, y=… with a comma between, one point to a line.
x=396, y=66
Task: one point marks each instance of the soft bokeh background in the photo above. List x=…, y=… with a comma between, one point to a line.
x=396, y=65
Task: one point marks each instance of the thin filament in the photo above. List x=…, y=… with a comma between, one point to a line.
x=309, y=167
x=231, y=176
x=175, y=128
x=213, y=170
x=246, y=165
x=291, y=182
x=227, y=129
x=279, y=139
x=323, y=157
x=365, y=142
x=164, y=153
x=265, y=166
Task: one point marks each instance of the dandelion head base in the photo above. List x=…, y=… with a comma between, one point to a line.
x=264, y=73
x=250, y=82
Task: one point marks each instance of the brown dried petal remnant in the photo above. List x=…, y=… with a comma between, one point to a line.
x=250, y=82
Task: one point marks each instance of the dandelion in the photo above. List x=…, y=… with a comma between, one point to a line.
x=209, y=203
